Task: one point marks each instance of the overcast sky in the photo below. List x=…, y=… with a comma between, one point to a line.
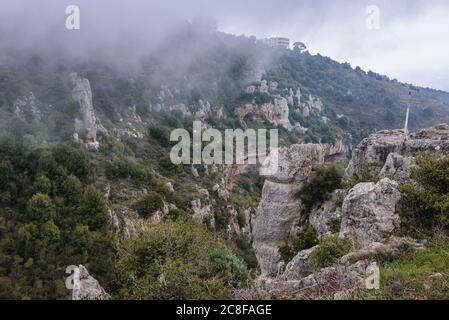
x=411, y=45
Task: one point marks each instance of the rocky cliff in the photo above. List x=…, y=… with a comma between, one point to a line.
x=368, y=213
x=87, y=125
x=280, y=213
x=391, y=152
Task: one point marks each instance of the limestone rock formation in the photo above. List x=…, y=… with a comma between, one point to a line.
x=324, y=215
x=275, y=113
x=369, y=212
x=88, y=125
x=279, y=210
x=300, y=266
x=375, y=149
x=398, y=168
x=86, y=287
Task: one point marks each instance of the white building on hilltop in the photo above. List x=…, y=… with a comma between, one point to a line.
x=277, y=42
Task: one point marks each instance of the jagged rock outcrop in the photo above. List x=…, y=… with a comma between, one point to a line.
x=85, y=287
x=275, y=113
x=87, y=125
x=323, y=216
x=302, y=280
x=300, y=266
x=369, y=212
x=398, y=168
x=238, y=227
x=375, y=150
x=369, y=216
x=331, y=282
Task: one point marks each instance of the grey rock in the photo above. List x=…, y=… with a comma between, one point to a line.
x=322, y=216
x=369, y=212
x=300, y=266
x=88, y=125
x=28, y=108
x=377, y=147
x=86, y=287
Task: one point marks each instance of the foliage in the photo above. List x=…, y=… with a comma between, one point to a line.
x=329, y=250
x=179, y=260
x=319, y=186
x=51, y=220
x=422, y=275
x=303, y=240
x=368, y=173
x=425, y=207
x=149, y=204
x=335, y=225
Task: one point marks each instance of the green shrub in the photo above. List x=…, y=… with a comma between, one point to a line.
x=335, y=225
x=177, y=214
x=149, y=204
x=160, y=133
x=304, y=240
x=319, y=186
x=179, y=260
x=329, y=251
x=422, y=275
x=368, y=173
x=425, y=207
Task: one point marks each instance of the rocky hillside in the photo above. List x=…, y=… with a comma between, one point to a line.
x=356, y=229
x=86, y=178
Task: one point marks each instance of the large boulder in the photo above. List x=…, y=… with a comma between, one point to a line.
x=86, y=287
x=369, y=212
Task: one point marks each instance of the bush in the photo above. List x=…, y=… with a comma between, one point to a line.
x=425, y=207
x=421, y=275
x=179, y=260
x=304, y=240
x=177, y=214
x=161, y=134
x=149, y=204
x=329, y=251
x=94, y=208
x=335, y=225
x=41, y=208
x=369, y=173
x=318, y=188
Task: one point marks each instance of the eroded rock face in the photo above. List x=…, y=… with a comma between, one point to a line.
x=300, y=266
x=275, y=216
x=275, y=113
x=376, y=149
x=369, y=212
x=323, y=216
x=398, y=168
x=88, y=125
x=331, y=282
x=279, y=211
x=86, y=287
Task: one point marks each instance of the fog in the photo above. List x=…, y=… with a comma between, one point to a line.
x=411, y=43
